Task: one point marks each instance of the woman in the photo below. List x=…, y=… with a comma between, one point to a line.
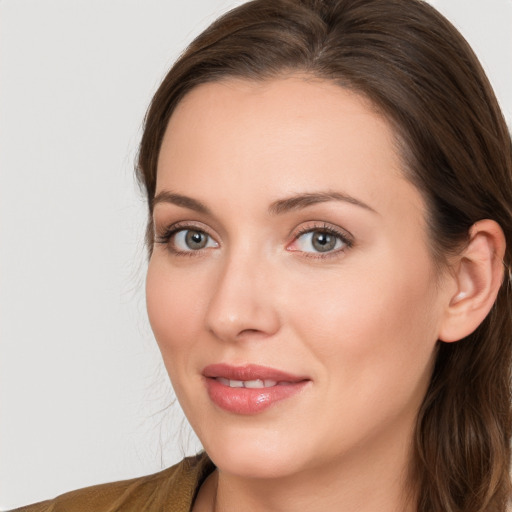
x=329, y=188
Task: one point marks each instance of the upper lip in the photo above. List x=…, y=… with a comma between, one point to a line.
x=249, y=372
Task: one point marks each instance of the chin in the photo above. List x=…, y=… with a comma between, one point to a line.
x=261, y=457
x=253, y=465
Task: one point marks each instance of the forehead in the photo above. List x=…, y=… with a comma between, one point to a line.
x=296, y=111
x=282, y=136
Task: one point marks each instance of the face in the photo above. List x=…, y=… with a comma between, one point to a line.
x=291, y=289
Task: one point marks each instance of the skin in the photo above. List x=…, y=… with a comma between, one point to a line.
x=361, y=321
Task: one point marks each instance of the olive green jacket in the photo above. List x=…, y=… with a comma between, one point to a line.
x=171, y=490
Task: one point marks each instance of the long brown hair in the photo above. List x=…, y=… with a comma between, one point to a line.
x=420, y=73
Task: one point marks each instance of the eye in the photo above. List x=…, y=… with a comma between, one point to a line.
x=320, y=241
x=186, y=240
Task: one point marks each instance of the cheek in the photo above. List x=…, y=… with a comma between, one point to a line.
x=371, y=328
x=174, y=309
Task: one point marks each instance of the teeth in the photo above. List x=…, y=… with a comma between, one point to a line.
x=251, y=384
x=254, y=384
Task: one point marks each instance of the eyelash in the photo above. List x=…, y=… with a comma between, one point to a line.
x=347, y=240
x=165, y=238
x=343, y=236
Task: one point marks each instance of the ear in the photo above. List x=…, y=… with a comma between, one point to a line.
x=478, y=273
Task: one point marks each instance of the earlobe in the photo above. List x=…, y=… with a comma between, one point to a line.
x=478, y=273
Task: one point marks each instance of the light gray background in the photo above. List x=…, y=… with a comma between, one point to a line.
x=83, y=394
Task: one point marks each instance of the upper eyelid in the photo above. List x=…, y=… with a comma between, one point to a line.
x=182, y=225
x=166, y=216
x=311, y=226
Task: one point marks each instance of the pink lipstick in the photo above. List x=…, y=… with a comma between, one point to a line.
x=249, y=389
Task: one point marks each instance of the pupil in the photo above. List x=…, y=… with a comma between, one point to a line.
x=195, y=239
x=323, y=242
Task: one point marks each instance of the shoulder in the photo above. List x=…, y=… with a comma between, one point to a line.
x=170, y=490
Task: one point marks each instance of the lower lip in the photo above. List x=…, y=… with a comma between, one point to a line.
x=250, y=400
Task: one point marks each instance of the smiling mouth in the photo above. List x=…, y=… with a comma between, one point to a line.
x=249, y=389
x=250, y=373
x=251, y=384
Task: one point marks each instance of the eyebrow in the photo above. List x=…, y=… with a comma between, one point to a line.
x=300, y=201
x=180, y=200
x=296, y=202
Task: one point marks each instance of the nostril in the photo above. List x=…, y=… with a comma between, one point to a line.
x=253, y=334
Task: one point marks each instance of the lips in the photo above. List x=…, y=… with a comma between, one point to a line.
x=249, y=389
x=250, y=384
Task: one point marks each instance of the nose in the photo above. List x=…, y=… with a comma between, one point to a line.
x=242, y=305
